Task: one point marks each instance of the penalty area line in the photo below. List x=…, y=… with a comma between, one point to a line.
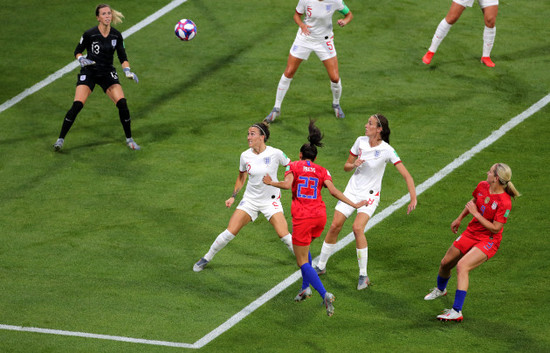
x=249, y=309
x=74, y=64
x=96, y=336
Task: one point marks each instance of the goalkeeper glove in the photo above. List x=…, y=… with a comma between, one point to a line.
x=130, y=74
x=84, y=61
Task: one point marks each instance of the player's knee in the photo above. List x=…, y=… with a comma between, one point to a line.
x=358, y=230
x=445, y=264
x=462, y=267
x=451, y=19
x=335, y=228
x=490, y=22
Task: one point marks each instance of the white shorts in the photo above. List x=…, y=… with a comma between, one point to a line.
x=369, y=208
x=268, y=209
x=482, y=3
x=301, y=48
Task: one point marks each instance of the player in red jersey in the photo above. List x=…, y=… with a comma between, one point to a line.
x=480, y=241
x=308, y=211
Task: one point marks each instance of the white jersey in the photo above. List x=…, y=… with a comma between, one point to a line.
x=318, y=15
x=257, y=166
x=367, y=178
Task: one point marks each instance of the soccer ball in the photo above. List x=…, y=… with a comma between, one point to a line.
x=186, y=29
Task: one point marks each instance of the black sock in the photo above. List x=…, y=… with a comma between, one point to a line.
x=70, y=118
x=124, y=115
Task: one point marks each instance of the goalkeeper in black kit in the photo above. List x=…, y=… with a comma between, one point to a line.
x=100, y=43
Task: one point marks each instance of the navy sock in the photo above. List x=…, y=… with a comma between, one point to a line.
x=309, y=275
x=460, y=296
x=305, y=283
x=442, y=282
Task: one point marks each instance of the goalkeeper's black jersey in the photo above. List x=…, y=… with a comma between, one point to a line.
x=102, y=49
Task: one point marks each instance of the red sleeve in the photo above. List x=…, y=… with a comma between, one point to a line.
x=504, y=208
x=290, y=168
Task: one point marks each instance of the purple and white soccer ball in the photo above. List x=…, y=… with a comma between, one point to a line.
x=186, y=29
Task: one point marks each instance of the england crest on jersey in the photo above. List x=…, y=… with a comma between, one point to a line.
x=377, y=153
x=113, y=43
x=328, y=7
x=267, y=160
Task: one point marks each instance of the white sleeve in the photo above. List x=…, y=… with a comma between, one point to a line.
x=393, y=157
x=283, y=159
x=355, y=148
x=242, y=163
x=301, y=7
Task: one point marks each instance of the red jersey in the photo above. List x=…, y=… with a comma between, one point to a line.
x=309, y=179
x=493, y=207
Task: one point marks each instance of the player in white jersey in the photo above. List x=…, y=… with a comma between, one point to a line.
x=314, y=34
x=368, y=157
x=490, y=10
x=255, y=163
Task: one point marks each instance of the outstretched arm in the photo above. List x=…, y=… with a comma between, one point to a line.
x=340, y=195
x=410, y=185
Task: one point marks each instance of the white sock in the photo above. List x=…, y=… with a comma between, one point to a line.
x=362, y=259
x=326, y=252
x=440, y=33
x=336, y=91
x=282, y=88
x=221, y=241
x=488, y=40
x=287, y=239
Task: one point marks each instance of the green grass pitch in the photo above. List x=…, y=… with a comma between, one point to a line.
x=101, y=239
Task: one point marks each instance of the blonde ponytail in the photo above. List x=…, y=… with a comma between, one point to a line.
x=504, y=174
x=117, y=16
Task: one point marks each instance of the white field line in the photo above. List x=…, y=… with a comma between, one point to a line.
x=96, y=336
x=74, y=64
x=495, y=135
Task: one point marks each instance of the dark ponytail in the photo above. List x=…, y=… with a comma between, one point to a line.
x=385, y=125
x=309, y=150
